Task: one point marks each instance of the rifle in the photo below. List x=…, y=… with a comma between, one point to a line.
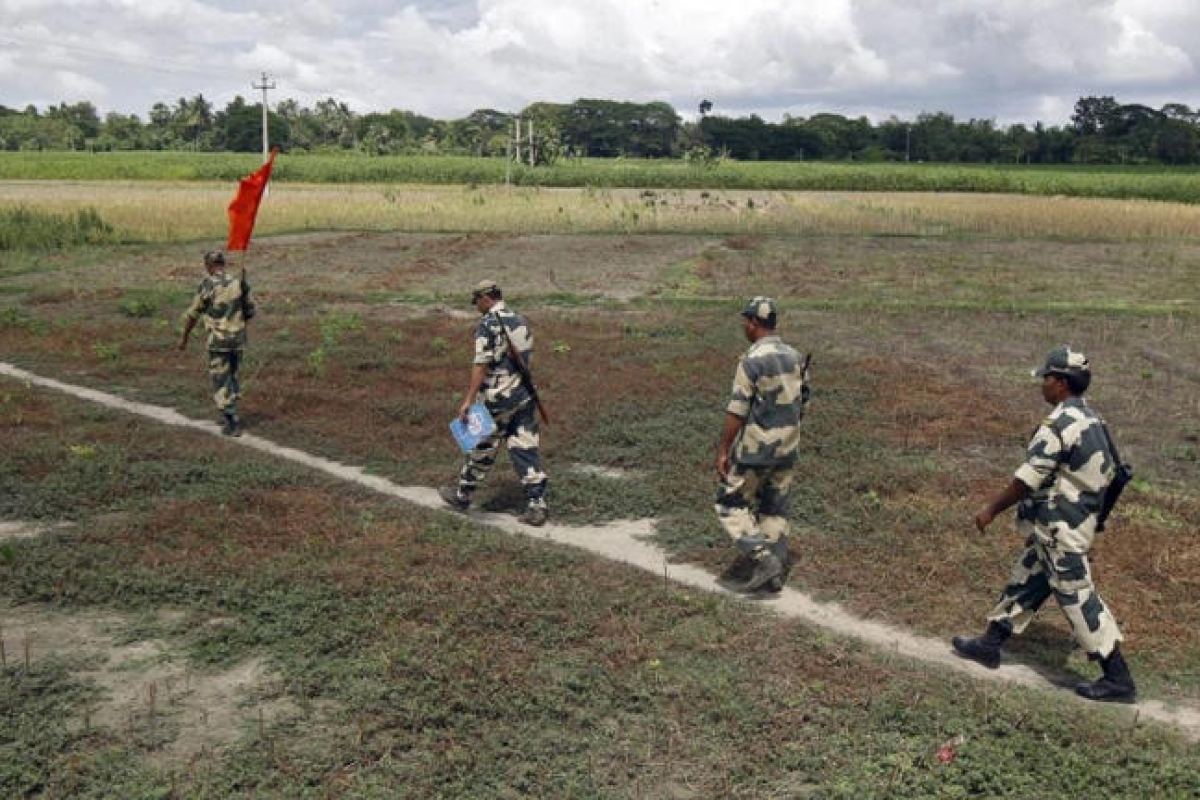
x=805, y=391
x=249, y=309
x=1122, y=476
x=526, y=375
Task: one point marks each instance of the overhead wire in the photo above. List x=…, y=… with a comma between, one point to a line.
x=155, y=64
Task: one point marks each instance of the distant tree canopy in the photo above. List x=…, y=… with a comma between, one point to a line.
x=1101, y=131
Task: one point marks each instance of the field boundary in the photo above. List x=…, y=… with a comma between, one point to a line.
x=627, y=542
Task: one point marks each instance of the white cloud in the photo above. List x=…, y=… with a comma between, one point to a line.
x=1013, y=59
x=73, y=84
x=266, y=57
x=1138, y=55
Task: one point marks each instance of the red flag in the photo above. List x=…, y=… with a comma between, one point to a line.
x=243, y=208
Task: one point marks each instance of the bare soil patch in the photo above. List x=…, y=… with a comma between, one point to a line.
x=151, y=698
x=18, y=529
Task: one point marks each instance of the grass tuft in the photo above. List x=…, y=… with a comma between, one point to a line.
x=26, y=228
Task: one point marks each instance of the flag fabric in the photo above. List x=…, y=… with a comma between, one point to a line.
x=243, y=208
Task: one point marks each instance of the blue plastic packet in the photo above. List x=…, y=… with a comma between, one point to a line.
x=479, y=426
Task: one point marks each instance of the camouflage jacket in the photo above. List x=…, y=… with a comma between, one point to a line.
x=768, y=388
x=503, y=387
x=1068, y=465
x=219, y=303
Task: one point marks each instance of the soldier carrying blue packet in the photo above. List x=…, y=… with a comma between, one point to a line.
x=500, y=376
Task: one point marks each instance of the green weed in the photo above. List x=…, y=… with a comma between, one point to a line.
x=333, y=328
x=138, y=306
x=24, y=228
x=16, y=317
x=107, y=351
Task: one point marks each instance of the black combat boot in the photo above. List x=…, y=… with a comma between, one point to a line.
x=767, y=569
x=534, y=515
x=737, y=573
x=455, y=498
x=1115, y=686
x=232, y=425
x=780, y=549
x=986, y=649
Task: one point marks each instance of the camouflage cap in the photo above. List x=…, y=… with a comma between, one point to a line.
x=214, y=257
x=762, y=310
x=1064, y=361
x=485, y=286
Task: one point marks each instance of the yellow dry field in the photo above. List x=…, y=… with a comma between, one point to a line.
x=173, y=211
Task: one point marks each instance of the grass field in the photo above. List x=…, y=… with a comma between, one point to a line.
x=1170, y=184
x=401, y=652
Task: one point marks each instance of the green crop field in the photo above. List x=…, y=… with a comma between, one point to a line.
x=184, y=617
x=1171, y=184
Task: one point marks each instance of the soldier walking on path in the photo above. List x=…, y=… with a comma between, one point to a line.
x=500, y=372
x=224, y=304
x=756, y=456
x=1059, y=491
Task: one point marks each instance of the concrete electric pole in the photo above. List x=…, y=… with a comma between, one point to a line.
x=265, y=133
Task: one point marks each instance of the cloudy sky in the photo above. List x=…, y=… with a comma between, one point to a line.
x=1005, y=60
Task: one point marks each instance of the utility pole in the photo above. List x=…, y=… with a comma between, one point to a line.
x=508, y=162
x=265, y=137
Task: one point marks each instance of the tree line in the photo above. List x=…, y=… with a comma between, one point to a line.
x=1101, y=131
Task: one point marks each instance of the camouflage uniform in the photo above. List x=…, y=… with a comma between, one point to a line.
x=1060, y=492
x=220, y=303
x=510, y=403
x=769, y=391
x=1068, y=465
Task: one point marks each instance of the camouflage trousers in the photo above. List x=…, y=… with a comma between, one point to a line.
x=517, y=429
x=752, y=505
x=223, y=368
x=1045, y=570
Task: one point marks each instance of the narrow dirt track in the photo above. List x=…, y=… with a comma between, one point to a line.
x=628, y=542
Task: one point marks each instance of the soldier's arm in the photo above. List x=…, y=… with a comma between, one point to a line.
x=736, y=412
x=478, y=374
x=1012, y=494
x=1041, y=461
x=194, y=309
x=733, y=426
x=188, y=324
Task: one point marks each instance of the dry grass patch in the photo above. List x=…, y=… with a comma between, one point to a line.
x=1023, y=216
x=165, y=212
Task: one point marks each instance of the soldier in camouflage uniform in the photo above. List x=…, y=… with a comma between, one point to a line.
x=756, y=456
x=224, y=304
x=495, y=374
x=1058, y=492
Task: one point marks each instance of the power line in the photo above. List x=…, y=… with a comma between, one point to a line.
x=155, y=65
